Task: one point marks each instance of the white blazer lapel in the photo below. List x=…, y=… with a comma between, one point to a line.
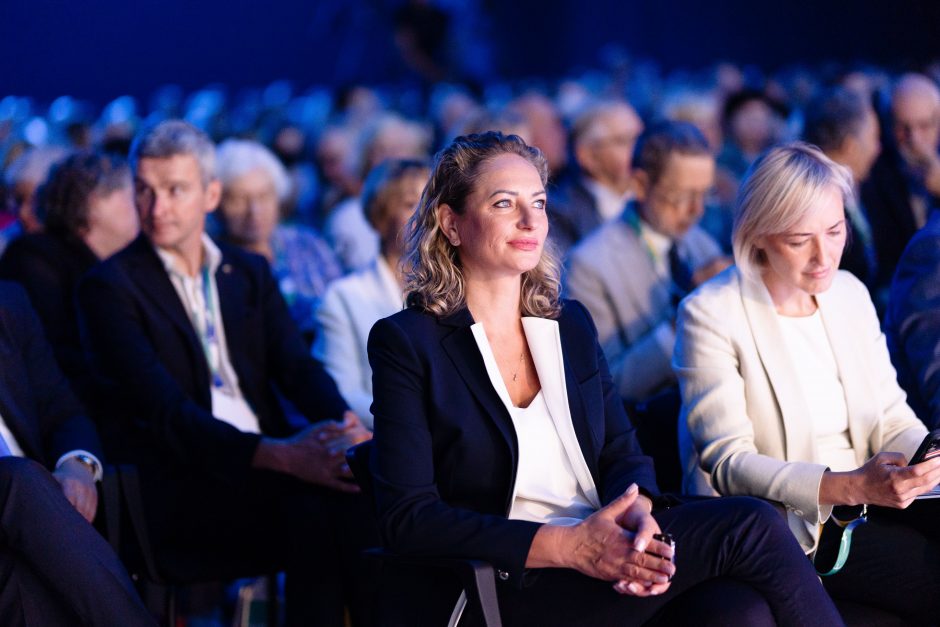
x=780, y=369
x=544, y=339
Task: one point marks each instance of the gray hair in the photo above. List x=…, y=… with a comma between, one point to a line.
x=237, y=157
x=175, y=137
x=779, y=190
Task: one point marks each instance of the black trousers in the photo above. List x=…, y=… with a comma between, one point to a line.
x=737, y=563
x=55, y=569
x=894, y=562
x=205, y=529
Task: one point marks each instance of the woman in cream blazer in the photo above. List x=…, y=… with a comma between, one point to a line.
x=752, y=423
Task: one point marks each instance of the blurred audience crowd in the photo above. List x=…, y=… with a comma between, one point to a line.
x=644, y=170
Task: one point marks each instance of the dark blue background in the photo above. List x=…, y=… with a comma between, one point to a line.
x=99, y=49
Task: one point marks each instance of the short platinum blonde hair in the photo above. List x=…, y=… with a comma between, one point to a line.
x=433, y=277
x=170, y=138
x=237, y=157
x=780, y=189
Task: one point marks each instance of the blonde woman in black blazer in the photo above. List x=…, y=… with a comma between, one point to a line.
x=460, y=470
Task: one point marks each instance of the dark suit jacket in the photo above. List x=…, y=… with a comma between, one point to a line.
x=446, y=449
x=155, y=376
x=35, y=399
x=912, y=323
x=572, y=212
x=886, y=196
x=49, y=266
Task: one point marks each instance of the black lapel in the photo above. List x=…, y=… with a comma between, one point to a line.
x=465, y=355
x=150, y=277
x=11, y=378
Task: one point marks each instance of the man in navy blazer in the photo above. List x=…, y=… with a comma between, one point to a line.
x=912, y=323
x=54, y=567
x=194, y=348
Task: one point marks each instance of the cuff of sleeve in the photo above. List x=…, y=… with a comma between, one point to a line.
x=98, y=467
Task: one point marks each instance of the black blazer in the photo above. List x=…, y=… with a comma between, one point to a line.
x=49, y=266
x=886, y=198
x=154, y=375
x=446, y=451
x=36, y=402
x=912, y=324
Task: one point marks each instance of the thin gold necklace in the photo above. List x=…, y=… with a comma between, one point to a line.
x=518, y=366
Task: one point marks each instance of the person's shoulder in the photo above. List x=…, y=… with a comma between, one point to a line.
x=847, y=285
x=614, y=235
x=722, y=287
x=239, y=259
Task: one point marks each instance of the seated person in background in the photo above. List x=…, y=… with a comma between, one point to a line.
x=23, y=178
x=912, y=323
x=632, y=272
x=192, y=342
x=354, y=303
x=87, y=206
x=55, y=569
x=904, y=186
x=602, y=140
x=389, y=137
x=499, y=435
x=253, y=184
x=845, y=127
x=789, y=395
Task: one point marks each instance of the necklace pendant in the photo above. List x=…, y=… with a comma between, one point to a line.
x=514, y=375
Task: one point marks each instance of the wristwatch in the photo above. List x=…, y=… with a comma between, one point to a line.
x=88, y=462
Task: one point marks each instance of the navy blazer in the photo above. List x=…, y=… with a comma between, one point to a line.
x=49, y=266
x=36, y=402
x=445, y=448
x=154, y=374
x=912, y=323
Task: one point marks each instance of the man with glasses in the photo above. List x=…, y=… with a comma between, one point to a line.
x=632, y=272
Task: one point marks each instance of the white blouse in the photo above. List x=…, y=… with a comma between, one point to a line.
x=547, y=489
x=818, y=378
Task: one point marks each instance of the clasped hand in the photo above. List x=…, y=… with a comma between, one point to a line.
x=616, y=544
x=316, y=454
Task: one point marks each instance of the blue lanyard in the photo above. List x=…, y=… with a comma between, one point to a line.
x=210, y=339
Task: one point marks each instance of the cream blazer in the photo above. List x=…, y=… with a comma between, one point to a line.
x=743, y=427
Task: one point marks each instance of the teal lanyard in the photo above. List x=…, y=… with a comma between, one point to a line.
x=210, y=338
x=632, y=218
x=845, y=544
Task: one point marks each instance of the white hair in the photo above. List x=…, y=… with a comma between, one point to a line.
x=237, y=157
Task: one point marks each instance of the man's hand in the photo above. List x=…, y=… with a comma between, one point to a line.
x=308, y=457
x=78, y=485
x=342, y=435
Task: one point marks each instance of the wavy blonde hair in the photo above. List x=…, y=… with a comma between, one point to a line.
x=433, y=277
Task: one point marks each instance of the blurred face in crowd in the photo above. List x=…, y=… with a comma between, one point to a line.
x=112, y=221
x=173, y=202
x=752, y=126
x=916, y=114
x=404, y=194
x=865, y=146
x=675, y=202
x=250, y=209
x=804, y=260
x=23, y=197
x=605, y=153
x=545, y=129
x=503, y=228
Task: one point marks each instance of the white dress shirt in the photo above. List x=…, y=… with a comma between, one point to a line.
x=228, y=403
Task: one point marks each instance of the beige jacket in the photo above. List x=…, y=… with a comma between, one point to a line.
x=743, y=428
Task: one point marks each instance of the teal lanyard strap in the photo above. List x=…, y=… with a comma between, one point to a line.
x=845, y=544
x=210, y=339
